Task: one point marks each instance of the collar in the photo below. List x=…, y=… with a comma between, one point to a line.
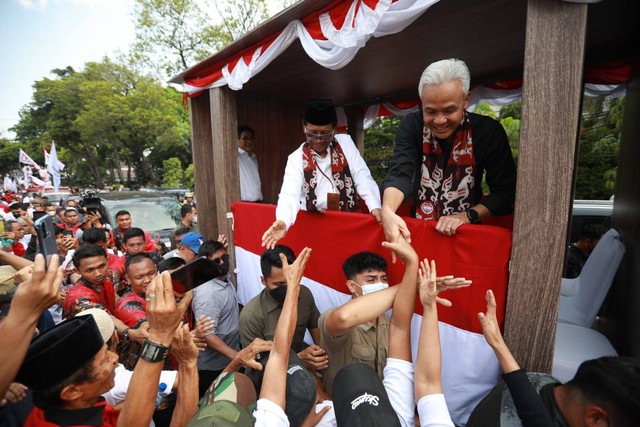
x=77, y=417
x=268, y=302
x=241, y=151
x=92, y=287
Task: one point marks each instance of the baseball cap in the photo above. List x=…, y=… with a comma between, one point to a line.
x=193, y=241
x=228, y=402
x=301, y=387
x=360, y=399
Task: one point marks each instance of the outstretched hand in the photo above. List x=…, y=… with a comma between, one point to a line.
x=274, y=233
x=427, y=272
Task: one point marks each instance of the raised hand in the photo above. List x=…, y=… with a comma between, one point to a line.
x=163, y=314
x=427, y=283
x=489, y=322
x=293, y=273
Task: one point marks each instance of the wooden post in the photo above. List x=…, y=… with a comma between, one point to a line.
x=552, y=90
x=355, y=124
x=203, y=165
x=226, y=178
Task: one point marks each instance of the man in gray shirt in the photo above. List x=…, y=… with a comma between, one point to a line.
x=217, y=299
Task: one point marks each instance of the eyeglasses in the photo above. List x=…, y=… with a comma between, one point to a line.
x=322, y=136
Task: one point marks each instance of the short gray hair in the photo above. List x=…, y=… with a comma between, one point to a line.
x=443, y=71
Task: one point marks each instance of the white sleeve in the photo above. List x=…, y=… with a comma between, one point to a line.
x=398, y=382
x=365, y=185
x=268, y=414
x=433, y=411
x=291, y=191
x=123, y=377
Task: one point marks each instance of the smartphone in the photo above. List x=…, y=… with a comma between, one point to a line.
x=46, y=238
x=194, y=274
x=38, y=214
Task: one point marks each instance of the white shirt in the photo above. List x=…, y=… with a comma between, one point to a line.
x=250, y=186
x=292, y=196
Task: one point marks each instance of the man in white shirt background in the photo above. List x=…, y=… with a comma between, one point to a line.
x=250, y=186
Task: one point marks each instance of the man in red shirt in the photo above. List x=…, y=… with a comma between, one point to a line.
x=95, y=289
x=71, y=220
x=123, y=219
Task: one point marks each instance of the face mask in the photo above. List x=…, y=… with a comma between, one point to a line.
x=51, y=213
x=195, y=219
x=279, y=293
x=223, y=264
x=372, y=287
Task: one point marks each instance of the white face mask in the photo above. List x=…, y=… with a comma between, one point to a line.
x=372, y=287
x=195, y=219
x=51, y=213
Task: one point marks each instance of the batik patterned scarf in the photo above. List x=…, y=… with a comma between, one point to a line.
x=448, y=191
x=341, y=178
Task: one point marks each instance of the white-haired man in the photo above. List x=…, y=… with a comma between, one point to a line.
x=440, y=156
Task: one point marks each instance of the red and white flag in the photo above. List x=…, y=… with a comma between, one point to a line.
x=480, y=253
x=24, y=158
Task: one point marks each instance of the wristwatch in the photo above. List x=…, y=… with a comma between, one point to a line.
x=153, y=352
x=125, y=334
x=473, y=216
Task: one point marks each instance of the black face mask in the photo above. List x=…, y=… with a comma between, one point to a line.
x=223, y=264
x=279, y=293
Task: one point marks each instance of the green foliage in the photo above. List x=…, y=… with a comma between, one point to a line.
x=601, y=124
x=189, y=177
x=103, y=117
x=379, y=141
x=172, y=35
x=599, y=147
x=173, y=175
x=486, y=110
x=511, y=110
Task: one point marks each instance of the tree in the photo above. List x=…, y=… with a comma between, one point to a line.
x=173, y=175
x=379, y=141
x=103, y=117
x=189, y=177
x=172, y=35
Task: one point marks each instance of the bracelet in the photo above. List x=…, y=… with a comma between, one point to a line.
x=125, y=334
x=152, y=352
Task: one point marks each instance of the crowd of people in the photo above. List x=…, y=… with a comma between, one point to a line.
x=99, y=336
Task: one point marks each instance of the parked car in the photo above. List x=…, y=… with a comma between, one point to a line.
x=589, y=212
x=155, y=213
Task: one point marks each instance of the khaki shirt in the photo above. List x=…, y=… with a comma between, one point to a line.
x=258, y=319
x=365, y=343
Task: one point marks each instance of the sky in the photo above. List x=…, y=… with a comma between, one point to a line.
x=37, y=36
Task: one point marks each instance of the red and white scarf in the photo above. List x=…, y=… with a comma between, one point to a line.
x=342, y=179
x=448, y=191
